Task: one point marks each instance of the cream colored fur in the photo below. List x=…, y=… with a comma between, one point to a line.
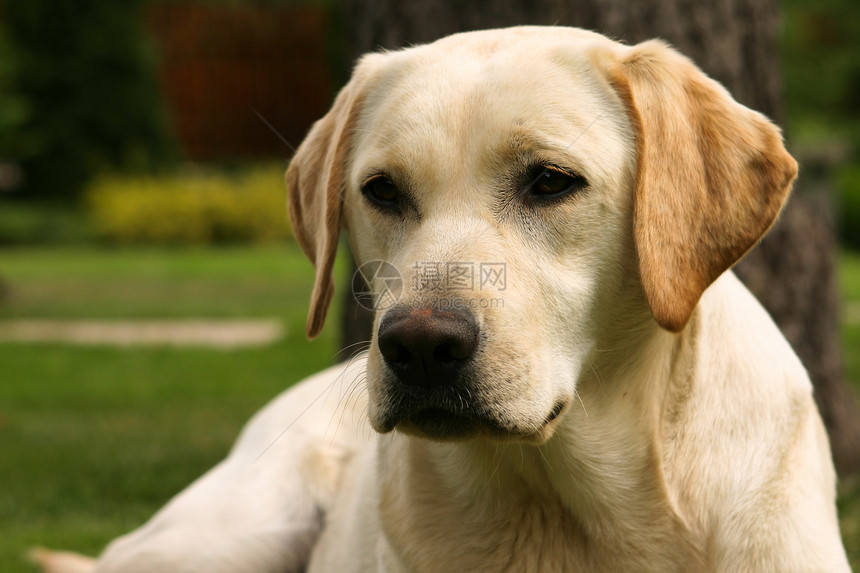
x=688, y=439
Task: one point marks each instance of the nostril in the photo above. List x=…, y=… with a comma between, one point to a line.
x=453, y=350
x=394, y=351
x=401, y=355
x=444, y=354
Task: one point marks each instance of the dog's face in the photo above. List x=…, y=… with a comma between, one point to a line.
x=463, y=168
x=542, y=192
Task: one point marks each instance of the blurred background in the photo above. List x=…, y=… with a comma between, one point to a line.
x=152, y=297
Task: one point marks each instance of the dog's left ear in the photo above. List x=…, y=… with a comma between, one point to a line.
x=316, y=183
x=711, y=178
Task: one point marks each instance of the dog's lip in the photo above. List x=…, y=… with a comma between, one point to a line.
x=556, y=412
x=438, y=416
x=440, y=424
x=437, y=422
x=422, y=410
x=444, y=425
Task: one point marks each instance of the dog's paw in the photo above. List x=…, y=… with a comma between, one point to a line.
x=61, y=561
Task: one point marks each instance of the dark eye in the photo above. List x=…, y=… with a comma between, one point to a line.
x=552, y=183
x=380, y=190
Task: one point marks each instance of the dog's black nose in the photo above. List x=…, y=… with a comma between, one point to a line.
x=427, y=347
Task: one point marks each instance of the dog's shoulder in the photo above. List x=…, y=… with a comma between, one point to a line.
x=742, y=341
x=746, y=446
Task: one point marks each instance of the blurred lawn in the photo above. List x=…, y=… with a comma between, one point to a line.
x=93, y=440
x=849, y=503
x=157, y=283
x=850, y=285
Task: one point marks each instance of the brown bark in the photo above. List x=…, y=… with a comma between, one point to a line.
x=356, y=320
x=734, y=41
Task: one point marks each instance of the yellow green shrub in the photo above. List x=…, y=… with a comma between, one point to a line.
x=198, y=208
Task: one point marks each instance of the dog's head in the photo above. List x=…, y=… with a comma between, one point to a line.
x=541, y=192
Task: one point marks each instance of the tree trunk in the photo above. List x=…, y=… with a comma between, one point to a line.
x=734, y=41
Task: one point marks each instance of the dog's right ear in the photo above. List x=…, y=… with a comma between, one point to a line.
x=316, y=184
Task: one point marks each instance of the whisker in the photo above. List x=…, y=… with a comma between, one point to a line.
x=356, y=348
x=373, y=132
x=498, y=459
x=356, y=380
x=584, y=131
x=272, y=128
x=297, y=418
x=579, y=397
x=350, y=394
x=596, y=374
x=546, y=461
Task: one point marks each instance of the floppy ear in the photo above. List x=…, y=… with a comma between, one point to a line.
x=316, y=185
x=711, y=177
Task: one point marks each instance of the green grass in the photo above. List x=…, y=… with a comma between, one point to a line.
x=93, y=440
x=849, y=284
x=849, y=502
x=849, y=276
x=133, y=283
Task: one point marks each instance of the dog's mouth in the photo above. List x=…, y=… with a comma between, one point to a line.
x=437, y=419
x=444, y=424
x=440, y=424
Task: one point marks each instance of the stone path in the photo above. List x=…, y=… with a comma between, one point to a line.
x=208, y=333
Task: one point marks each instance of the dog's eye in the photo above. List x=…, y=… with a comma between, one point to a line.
x=551, y=183
x=381, y=190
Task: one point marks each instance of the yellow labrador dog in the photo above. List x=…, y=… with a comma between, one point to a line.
x=568, y=378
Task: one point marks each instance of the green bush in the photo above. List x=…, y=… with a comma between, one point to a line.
x=84, y=73
x=13, y=108
x=32, y=223
x=197, y=209
x=848, y=183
